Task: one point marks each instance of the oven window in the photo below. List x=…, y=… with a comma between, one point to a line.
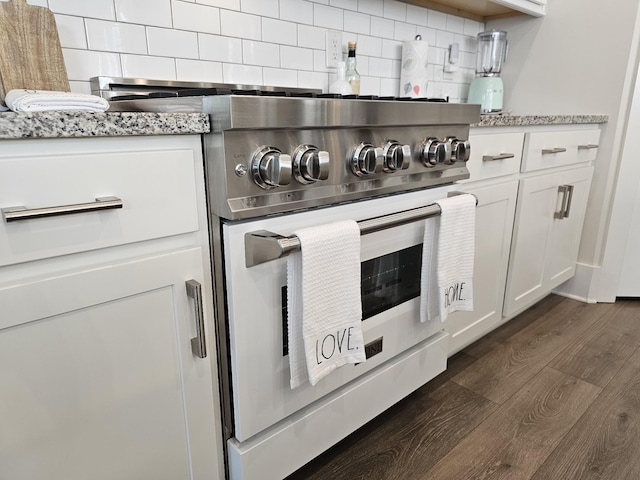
x=390, y=280
x=387, y=281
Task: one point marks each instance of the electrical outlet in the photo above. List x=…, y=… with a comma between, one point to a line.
x=333, y=48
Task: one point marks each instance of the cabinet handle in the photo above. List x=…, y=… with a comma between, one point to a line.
x=198, y=343
x=563, y=189
x=12, y=214
x=545, y=151
x=501, y=156
x=569, y=199
x=587, y=147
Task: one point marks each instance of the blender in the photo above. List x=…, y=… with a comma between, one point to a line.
x=487, y=88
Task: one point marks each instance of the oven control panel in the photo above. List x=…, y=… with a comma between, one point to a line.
x=272, y=171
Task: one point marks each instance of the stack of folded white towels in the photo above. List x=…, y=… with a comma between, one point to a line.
x=48, y=101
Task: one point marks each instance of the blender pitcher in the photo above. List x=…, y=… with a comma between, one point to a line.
x=487, y=88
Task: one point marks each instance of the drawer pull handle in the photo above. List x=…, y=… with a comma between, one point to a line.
x=198, y=343
x=502, y=156
x=587, y=147
x=13, y=214
x=545, y=151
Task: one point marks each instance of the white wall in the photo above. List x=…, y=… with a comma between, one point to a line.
x=264, y=42
x=576, y=60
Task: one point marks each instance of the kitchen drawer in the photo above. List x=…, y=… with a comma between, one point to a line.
x=558, y=148
x=157, y=190
x=494, y=155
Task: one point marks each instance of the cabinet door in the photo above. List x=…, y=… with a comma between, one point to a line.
x=565, y=239
x=545, y=248
x=98, y=376
x=494, y=224
x=537, y=202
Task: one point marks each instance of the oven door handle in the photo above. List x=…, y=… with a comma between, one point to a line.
x=263, y=246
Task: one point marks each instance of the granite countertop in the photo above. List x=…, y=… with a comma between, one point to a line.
x=510, y=120
x=109, y=124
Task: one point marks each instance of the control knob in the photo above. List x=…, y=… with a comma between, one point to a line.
x=366, y=159
x=271, y=168
x=396, y=156
x=460, y=149
x=310, y=164
x=435, y=151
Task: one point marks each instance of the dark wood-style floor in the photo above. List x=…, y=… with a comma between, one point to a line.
x=552, y=394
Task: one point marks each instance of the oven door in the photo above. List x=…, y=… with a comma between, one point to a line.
x=256, y=306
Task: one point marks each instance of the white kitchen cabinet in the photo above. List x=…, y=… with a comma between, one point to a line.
x=546, y=238
x=98, y=372
x=494, y=223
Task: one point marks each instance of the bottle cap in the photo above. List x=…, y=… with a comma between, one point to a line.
x=352, y=45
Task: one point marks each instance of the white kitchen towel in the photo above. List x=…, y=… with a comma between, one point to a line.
x=49, y=101
x=323, y=301
x=447, y=259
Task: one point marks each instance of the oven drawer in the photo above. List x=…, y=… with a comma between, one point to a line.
x=142, y=204
x=494, y=155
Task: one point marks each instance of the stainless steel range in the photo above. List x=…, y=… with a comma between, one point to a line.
x=277, y=161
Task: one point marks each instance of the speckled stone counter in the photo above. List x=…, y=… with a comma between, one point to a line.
x=527, y=120
x=109, y=124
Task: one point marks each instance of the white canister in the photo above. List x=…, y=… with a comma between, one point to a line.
x=413, y=72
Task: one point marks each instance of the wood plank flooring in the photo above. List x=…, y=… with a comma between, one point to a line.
x=554, y=394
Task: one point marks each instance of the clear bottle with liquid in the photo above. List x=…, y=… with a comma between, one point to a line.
x=352, y=75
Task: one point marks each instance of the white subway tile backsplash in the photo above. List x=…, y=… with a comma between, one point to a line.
x=258, y=41
x=455, y=24
x=84, y=64
x=391, y=49
x=116, y=37
x=242, y=74
x=299, y=11
x=80, y=87
x=277, y=31
x=404, y=32
x=260, y=53
x=389, y=87
x=313, y=80
x=345, y=4
x=165, y=42
x=372, y=7
x=196, y=18
x=71, y=31
x=417, y=15
x=357, y=22
x=382, y=27
x=221, y=49
x=329, y=17
x=369, y=46
x=444, y=39
x=82, y=8
x=427, y=34
x=395, y=10
x=143, y=66
x=279, y=77
x=198, y=71
x=236, y=24
x=228, y=4
x=265, y=8
x=144, y=12
x=380, y=67
x=472, y=28
x=311, y=37
x=369, y=85
x=296, y=58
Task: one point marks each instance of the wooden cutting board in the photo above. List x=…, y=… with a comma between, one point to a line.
x=30, y=53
